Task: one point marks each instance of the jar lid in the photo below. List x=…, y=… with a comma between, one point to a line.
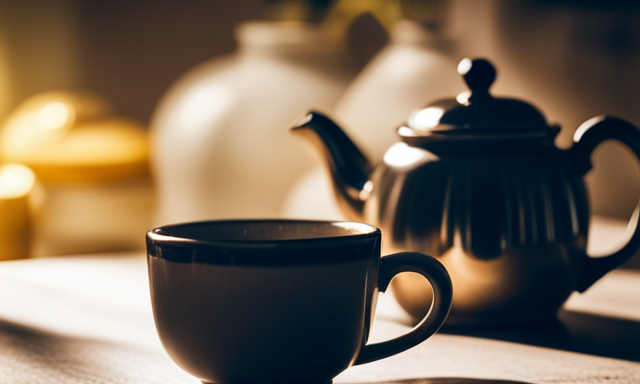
x=476, y=115
x=68, y=137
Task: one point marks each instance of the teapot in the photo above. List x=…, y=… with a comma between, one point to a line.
x=478, y=183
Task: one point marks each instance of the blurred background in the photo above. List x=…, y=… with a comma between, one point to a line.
x=572, y=59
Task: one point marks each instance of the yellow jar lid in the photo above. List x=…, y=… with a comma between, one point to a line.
x=66, y=137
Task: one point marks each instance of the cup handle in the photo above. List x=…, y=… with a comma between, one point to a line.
x=440, y=281
x=588, y=136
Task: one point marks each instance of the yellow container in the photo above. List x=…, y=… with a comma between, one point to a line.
x=93, y=168
x=16, y=187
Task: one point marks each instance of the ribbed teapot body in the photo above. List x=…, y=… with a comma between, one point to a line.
x=477, y=182
x=505, y=225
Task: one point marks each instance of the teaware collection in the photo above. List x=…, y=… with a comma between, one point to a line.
x=278, y=301
x=475, y=181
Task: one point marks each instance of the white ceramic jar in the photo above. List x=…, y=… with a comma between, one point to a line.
x=221, y=146
x=416, y=68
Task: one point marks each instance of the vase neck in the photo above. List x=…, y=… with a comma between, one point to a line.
x=283, y=39
x=407, y=32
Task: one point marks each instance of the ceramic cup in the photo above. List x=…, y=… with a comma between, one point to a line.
x=278, y=300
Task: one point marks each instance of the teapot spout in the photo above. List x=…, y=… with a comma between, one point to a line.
x=348, y=167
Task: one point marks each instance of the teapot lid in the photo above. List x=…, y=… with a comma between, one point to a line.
x=476, y=116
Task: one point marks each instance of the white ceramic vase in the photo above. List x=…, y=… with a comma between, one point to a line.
x=221, y=146
x=416, y=68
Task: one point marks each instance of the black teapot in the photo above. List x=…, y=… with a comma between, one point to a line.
x=477, y=182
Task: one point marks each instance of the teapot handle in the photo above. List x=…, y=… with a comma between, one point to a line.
x=588, y=136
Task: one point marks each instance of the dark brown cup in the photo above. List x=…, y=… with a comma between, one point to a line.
x=278, y=300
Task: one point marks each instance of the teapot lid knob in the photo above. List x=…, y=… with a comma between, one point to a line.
x=479, y=74
x=476, y=118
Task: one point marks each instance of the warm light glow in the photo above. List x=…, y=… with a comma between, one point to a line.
x=584, y=127
x=406, y=132
x=15, y=181
x=366, y=190
x=304, y=120
x=203, y=104
x=426, y=118
x=464, y=66
x=54, y=116
x=403, y=155
x=463, y=97
x=355, y=228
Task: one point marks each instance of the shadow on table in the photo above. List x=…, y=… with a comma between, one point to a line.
x=447, y=380
x=572, y=331
x=31, y=355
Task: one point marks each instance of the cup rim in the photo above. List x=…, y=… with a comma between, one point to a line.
x=164, y=235
x=162, y=243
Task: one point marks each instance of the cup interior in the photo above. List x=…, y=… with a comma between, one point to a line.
x=261, y=230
